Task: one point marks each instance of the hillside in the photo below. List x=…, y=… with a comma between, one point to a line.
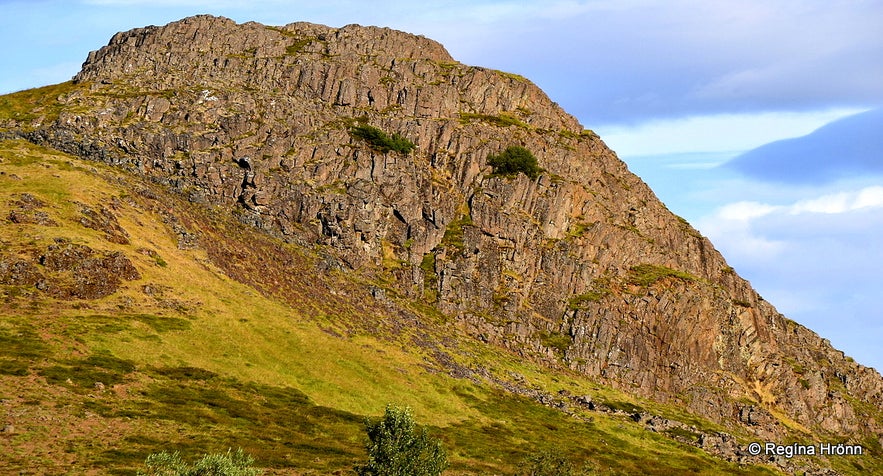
x=200, y=223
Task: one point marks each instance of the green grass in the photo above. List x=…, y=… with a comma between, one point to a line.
x=20, y=348
x=499, y=120
x=517, y=427
x=555, y=340
x=430, y=278
x=279, y=426
x=83, y=374
x=581, y=301
x=299, y=44
x=20, y=341
x=682, y=433
x=579, y=228
x=647, y=274
x=512, y=76
x=38, y=103
x=453, y=237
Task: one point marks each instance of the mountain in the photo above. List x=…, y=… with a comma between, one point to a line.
x=225, y=234
x=849, y=146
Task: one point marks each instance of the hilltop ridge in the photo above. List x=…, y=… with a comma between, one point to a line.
x=581, y=270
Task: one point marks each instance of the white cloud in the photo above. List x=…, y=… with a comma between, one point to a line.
x=731, y=229
x=745, y=211
x=869, y=197
x=757, y=230
x=720, y=132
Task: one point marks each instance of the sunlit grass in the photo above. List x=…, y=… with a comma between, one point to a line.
x=202, y=362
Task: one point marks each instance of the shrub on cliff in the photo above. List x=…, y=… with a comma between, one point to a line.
x=513, y=160
x=381, y=141
x=396, y=447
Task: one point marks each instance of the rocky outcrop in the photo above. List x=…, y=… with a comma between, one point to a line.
x=69, y=271
x=582, y=266
x=28, y=209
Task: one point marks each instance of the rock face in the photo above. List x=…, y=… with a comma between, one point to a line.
x=583, y=266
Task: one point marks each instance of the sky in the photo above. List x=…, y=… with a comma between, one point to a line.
x=687, y=92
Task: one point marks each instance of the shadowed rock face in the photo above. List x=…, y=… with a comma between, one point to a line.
x=583, y=267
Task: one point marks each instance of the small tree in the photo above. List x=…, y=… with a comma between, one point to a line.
x=396, y=447
x=232, y=463
x=513, y=160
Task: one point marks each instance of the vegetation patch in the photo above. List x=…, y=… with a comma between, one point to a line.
x=584, y=134
x=514, y=77
x=622, y=406
x=581, y=301
x=588, y=134
x=391, y=260
x=298, y=46
x=798, y=368
x=499, y=120
x=514, y=160
x=185, y=373
x=453, y=236
x=84, y=374
x=557, y=341
x=21, y=343
x=647, y=274
x=13, y=367
x=205, y=412
x=430, y=278
x=682, y=434
x=579, y=228
x=231, y=463
x=551, y=463
x=381, y=141
x=37, y=103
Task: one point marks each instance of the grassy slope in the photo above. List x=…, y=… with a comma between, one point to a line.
x=204, y=362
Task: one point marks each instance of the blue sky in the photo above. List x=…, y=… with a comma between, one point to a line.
x=676, y=87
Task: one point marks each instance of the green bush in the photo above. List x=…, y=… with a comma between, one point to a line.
x=550, y=463
x=396, y=447
x=381, y=141
x=513, y=160
x=232, y=463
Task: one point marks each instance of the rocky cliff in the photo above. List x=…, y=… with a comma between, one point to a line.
x=582, y=267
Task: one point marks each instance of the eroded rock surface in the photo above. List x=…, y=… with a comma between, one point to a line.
x=583, y=266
